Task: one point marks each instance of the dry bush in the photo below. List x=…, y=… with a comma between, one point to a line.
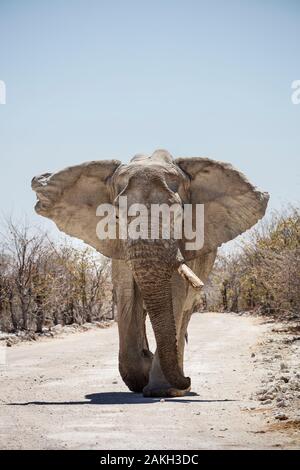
x=265, y=273
x=43, y=284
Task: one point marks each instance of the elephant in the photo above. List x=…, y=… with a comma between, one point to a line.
x=153, y=277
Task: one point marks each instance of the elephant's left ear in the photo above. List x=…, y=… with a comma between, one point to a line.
x=71, y=197
x=231, y=203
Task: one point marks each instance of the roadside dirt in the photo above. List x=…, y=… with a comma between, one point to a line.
x=66, y=393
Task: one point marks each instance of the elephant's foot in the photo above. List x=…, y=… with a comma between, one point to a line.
x=164, y=391
x=135, y=370
x=158, y=386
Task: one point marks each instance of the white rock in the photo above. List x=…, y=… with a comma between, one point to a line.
x=281, y=416
x=56, y=328
x=281, y=404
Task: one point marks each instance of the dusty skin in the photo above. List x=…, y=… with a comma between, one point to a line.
x=145, y=271
x=66, y=393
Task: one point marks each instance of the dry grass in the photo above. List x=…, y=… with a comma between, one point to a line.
x=289, y=425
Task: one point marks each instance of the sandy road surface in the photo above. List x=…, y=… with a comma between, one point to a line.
x=66, y=393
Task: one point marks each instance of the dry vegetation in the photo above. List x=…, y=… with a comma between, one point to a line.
x=264, y=275
x=44, y=284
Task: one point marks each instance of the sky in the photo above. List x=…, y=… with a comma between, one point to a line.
x=88, y=80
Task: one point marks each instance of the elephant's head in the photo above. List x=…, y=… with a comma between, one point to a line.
x=231, y=205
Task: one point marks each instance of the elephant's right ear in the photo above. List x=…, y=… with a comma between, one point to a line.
x=70, y=198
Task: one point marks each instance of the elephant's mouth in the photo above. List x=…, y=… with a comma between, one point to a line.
x=161, y=251
x=153, y=265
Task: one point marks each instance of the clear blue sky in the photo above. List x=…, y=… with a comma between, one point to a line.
x=99, y=79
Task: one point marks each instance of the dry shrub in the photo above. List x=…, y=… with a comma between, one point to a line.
x=264, y=275
x=43, y=284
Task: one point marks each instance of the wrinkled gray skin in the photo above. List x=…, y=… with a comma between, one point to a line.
x=145, y=275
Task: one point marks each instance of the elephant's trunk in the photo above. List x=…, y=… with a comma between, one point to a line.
x=153, y=277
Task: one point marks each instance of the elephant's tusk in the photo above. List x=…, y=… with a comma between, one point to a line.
x=190, y=276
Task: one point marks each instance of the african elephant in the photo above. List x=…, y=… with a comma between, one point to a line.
x=145, y=271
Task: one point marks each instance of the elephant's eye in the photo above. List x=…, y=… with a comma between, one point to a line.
x=121, y=185
x=172, y=184
x=120, y=188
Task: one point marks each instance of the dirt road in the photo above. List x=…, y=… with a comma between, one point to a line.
x=66, y=393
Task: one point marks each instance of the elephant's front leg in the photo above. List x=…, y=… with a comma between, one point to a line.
x=158, y=385
x=184, y=300
x=135, y=358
